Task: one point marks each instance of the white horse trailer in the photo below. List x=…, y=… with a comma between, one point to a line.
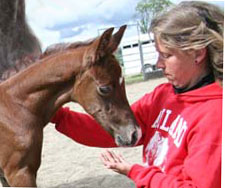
x=139, y=54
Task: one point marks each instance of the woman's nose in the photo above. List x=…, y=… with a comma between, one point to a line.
x=160, y=64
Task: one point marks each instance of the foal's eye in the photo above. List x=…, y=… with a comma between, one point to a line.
x=104, y=90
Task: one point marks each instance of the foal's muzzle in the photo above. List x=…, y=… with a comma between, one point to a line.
x=129, y=138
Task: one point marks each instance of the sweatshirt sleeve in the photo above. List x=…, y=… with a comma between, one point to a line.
x=82, y=128
x=151, y=177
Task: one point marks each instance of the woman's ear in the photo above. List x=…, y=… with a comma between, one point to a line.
x=200, y=55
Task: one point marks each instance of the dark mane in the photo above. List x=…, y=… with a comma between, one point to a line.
x=60, y=47
x=18, y=45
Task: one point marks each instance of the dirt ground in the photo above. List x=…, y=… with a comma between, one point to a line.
x=66, y=164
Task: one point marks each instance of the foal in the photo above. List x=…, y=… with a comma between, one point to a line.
x=87, y=73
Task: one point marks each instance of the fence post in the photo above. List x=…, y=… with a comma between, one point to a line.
x=140, y=51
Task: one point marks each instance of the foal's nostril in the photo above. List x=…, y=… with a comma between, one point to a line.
x=107, y=108
x=119, y=140
x=134, y=137
x=127, y=141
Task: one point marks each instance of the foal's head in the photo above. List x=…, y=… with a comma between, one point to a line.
x=100, y=89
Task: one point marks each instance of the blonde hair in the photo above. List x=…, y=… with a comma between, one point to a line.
x=193, y=25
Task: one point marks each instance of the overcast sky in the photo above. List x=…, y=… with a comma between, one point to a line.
x=56, y=21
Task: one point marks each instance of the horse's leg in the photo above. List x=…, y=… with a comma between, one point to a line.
x=21, y=168
x=3, y=180
x=22, y=178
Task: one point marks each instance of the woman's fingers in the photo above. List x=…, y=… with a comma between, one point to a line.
x=115, y=162
x=116, y=157
x=107, y=159
x=110, y=156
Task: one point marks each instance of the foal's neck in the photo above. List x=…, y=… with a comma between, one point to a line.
x=47, y=83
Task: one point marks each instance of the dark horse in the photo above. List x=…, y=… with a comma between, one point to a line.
x=18, y=45
x=87, y=73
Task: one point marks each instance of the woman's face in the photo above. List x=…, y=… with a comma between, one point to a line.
x=179, y=67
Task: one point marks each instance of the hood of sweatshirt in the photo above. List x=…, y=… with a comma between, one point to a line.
x=209, y=92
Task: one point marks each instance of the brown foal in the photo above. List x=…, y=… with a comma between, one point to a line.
x=87, y=73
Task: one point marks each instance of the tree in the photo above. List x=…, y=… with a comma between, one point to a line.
x=147, y=9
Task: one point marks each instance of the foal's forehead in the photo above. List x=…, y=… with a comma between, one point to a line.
x=117, y=73
x=112, y=71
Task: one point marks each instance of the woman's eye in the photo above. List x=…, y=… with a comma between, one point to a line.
x=104, y=90
x=164, y=55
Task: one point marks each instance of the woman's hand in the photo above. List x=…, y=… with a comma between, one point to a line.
x=115, y=162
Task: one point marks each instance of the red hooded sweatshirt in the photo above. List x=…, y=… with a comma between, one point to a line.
x=181, y=137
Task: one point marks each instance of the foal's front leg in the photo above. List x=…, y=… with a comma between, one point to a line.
x=21, y=168
x=3, y=180
x=22, y=178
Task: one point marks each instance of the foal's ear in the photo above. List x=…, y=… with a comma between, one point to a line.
x=116, y=38
x=108, y=43
x=103, y=43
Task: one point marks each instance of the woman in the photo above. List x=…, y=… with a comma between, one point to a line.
x=181, y=121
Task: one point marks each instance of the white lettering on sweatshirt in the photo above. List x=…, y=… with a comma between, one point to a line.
x=158, y=146
x=157, y=150
x=176, y=129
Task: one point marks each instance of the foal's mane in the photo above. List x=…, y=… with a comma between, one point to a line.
x=61, y=47
x=26, y=61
